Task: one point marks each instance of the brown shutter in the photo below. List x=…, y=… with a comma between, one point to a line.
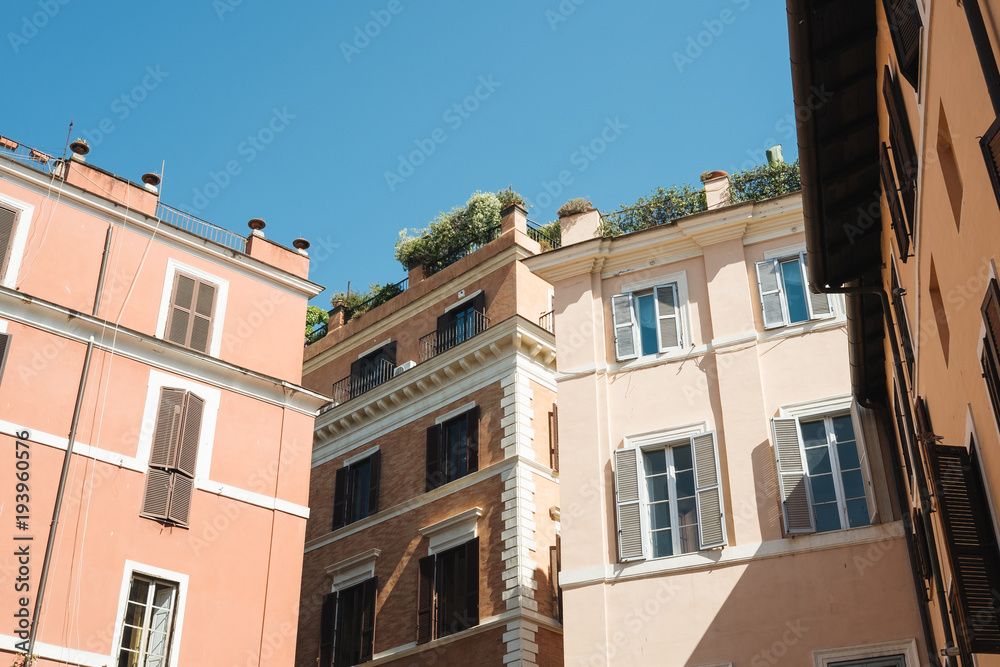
x=435, y=458
x=892, y=199
x=328, y=618
x=901, y=139
x=8, y=218
x=4, y=346
x=201, y=321
x=187, y=455
x=554, y=438
x=181, y=300
x=373, y=482
x=904, y=26
x=181, y=489
x=904, y=328
x=341, y=483
x=471, y=577
x=991, y=317
x=990, y=145
x=972, y=544
x=472, y=430
x=425, y=601
x=156, y=500
x=369, y=592
x=555, y=567
x=167, y=435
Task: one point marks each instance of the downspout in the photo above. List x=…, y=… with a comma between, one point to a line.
x=922, y=490
x=104, y=270
x=59, y=496
x=987, y=61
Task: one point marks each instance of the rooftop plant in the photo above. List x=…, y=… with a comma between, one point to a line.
x=574, y=206
x=315, y=315
x=355, y=304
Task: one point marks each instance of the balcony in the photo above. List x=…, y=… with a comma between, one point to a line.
x=436, y=342
x=547, y=321
x=356, y=384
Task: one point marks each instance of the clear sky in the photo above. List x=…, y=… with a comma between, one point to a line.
x=344, y=122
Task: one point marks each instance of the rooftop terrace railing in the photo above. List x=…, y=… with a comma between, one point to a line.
x=202, y=228
x=27, y=155
x=536, y=232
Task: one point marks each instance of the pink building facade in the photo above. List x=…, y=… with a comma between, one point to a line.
x=173, y=363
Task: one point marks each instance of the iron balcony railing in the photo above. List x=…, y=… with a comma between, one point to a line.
x=438, y=341
x=202, y=228
x=30, y=157
x=489, y=235
x=546, y=240
x=547, y=321
x=353, y=386
x=317, y=333
x=387, y=293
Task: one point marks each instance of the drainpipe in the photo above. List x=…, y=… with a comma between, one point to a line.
x=918, y=467
x=59, y=496
x=987, y=61
x=104, y=270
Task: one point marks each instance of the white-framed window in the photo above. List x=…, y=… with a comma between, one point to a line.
x=648, y=317
x=150, y=617
x=823, y=472
x=901, y=653
x=669, y=496
x=192, y=308
x=15, y=221
x=785, y=297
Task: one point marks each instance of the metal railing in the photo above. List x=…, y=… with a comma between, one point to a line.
x=28, y=156
x=547, y=321
x=438, y=341
x=317, y=333
x=490, y=234
x=202, y=228
x=385, y=294
x=355, y=385
x=536, y=232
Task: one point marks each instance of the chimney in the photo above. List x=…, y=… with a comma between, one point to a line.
x=579, y=226
x=716, y=189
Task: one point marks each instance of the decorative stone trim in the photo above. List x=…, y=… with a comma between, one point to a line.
x=353, y=570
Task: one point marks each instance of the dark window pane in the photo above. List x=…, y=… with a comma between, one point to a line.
x=655, y=462
x=854, y=485
x=647, y=324
x=843, y=428
x=827, y=517
x=685, y=484
x=847, y=454
x=687, y=514
x=682, y=457
x=657, y=488
x=663, y=544
x=818, y=460
x=857, y=512
x=689, y=538
x=361, y=472
x=823, y=489
x=813, y=433
x=659, y=515
x=795, y=293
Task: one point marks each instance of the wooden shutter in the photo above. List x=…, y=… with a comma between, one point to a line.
x=369, y=592
x=479, y=320
x=426, y=607
x=990, y=145
x=327, y=629
x=435, y=458
x=892, y=199
x=554, y=438
x=169, y=424
x=627, y=501
x=555, y=567
x=796, y=500
x=187, y=450
x=904, y=26
x=971, y=542
x=156, y=500
x=8, y=218
x=471, y=577
x=901, y=140
x=667, y=317
x=4, y=348
x=624, y=325
x=769, y=287
x=991, y=318
x=201, y=321
x=181, y=490
x=899, y=312
x=472, y=431
x=866, y=433
x=708, y=491
x=342, y=480
x=819, y=304
x=192, y=304
x=373, y=482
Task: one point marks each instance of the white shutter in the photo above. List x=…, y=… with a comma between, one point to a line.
x=627, y=500
x=708, y=490
x=868, y=433
x=796, y=500
x=623, y=317
x=769, y=285
x=668, y=319
x=819, y=304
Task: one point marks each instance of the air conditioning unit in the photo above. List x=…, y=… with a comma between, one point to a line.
x=398, y=370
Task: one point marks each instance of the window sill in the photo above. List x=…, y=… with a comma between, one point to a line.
x=801, y=328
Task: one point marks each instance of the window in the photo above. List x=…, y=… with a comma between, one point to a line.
x=904, y=26
x=785, y=296
x=669, y=498
x=990, y=358
x=461, y=323
x=192, y=305
x=990, y=145
x=453, y=449
x=355, y=494
x=555, y=567
x=347, y=625
x=173, y=457
x=448, y=593
x=899, y=312
x=372, y=369
x=647, y=321
x=971, y=543
x=148, y=623
x=4, y=349
x=889, y=661
x=553, y=437
x=822, y=476
x=903, y=152
x=8, y=221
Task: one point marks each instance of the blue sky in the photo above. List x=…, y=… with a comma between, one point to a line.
x=346, y=122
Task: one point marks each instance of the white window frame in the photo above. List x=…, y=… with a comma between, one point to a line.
x=679, y=280
x=798, y=253
x=152, y=572
x=452, y=531
x=210, y=414
x=644, y=502
x=218, y=314
x=19, y=240
x=905, y=647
